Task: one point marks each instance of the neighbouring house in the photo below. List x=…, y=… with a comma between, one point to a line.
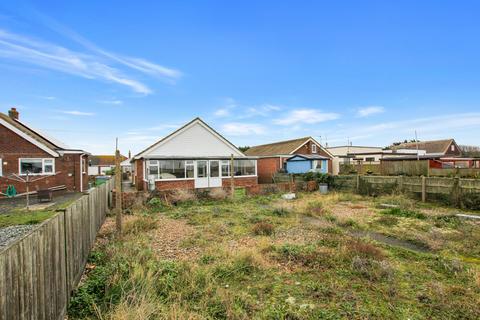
x=272, y=157
x=434, y=148
x=26, y=151
x=99, y=165
x=301, y=163
x=194, y=156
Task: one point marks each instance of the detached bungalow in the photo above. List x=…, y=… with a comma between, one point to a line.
x=24, y=150
x=194, y=156
x=273, y=157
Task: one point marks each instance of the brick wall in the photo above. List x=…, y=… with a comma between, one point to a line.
x=13, y=147
x=266, y=168
x=179, y=184
x=240, y=182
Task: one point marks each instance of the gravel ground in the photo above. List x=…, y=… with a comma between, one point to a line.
x=12, y=233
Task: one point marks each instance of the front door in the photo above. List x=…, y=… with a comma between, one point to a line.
x=201, y=174
x=215, y=180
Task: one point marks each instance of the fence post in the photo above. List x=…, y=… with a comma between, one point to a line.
x=456, y=191
x=400, y=184
x=424, y=189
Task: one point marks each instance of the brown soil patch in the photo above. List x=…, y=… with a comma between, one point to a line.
x=167, y=238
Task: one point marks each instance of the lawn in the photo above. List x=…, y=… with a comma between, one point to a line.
x=336, y=256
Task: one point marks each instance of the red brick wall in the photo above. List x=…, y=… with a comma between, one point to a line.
x=240, y=182
x=180, y=184
x=266, y=168
x=13, y=147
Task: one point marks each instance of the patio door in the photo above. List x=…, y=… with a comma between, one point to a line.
x=201, y=174
x=215, y=180
x=208, y=174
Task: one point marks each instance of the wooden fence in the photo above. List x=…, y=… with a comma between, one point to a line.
x=39, y=271
x=457, y=191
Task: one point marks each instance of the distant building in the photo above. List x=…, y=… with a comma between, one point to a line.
x=24, y=150
x=272, y=157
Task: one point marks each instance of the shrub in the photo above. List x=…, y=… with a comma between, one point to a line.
x=141, y=224
x=366, y=250
x=316, y=208
x=183, y=195
x=217, y=194
x=471, y=200
x=280, y=211
x=371, y=269
x=387, y=220
x=263, y=228
x=318, y=177
x=404, y=213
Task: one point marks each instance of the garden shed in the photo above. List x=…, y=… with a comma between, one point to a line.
x=302, y=163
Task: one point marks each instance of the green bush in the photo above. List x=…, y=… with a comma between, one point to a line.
x=404, y=213
x=471, y=200
x=318, y=177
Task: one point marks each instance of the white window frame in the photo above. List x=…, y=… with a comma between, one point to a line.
x=452, y=148
x=1, y=167
x=43, y=167
x=186, y=163
x=314, y=148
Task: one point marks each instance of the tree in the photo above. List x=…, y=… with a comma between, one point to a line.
x=243, y=149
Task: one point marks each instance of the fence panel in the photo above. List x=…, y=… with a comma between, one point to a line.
x=39, y=271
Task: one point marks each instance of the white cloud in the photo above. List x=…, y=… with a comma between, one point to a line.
x=222, y=112
x=263, y=110
x=308, y=116
x=437, y=127
x=77, y=113
x=98, y=64
x=242, y=129
x=113, y=101
x=368, y=111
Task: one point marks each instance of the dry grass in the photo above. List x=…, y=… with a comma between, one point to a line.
x=183, y=195
x=218, y=194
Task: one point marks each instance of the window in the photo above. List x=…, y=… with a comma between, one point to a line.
x=225, y=168
x=37, y=166
x=1, y=168
x=370, y=159
x=170, y=169
x=189, y=169
x=244, y=167
x=452, y=147
x=314, y=148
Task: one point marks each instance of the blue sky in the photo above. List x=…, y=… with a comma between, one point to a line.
x=371, y=72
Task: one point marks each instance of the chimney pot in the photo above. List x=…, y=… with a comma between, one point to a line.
x=13, y=113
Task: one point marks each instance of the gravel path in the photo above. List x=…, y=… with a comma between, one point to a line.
x=12, y=233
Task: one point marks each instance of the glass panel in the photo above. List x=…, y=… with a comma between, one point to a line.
x=48, y=165
x=179, y=169
x=202, y=168
x=244, y=167
x=30, y=166
x=225, y=168
x=214, y=169
x=190, y=170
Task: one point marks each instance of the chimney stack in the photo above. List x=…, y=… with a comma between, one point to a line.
x=13, y=113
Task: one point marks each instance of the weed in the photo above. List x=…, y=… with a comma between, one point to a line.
x=217, y=194
x=372, y=269
x=263, y=228
x=366, y=250
x=398, y=212
x=388, y=221
x=140, y=224
x=183, y=196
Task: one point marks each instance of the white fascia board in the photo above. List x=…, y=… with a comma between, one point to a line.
x=28, y=138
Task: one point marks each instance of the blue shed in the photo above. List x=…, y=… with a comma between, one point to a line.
x=302, y=163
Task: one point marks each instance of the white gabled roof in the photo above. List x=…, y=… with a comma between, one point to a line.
x=195, y=139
